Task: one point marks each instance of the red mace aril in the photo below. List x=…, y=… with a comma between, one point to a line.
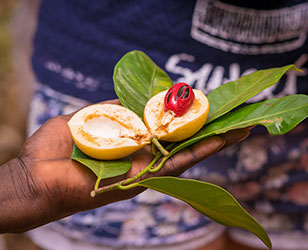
x=179, y=98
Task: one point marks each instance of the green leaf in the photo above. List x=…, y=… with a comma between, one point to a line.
x=102, y=169
x=136, y=79
x=231, y=94
x=278, y=115
x=210, y=200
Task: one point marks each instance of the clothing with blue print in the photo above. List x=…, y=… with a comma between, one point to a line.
x=204, y=43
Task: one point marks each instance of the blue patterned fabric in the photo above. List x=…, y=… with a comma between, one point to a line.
x=204, y=43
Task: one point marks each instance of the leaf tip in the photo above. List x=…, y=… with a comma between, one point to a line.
x=269, y=244
x=293, y=67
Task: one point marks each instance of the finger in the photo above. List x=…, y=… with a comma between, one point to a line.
x=67, y=186
x=141, y=159
x=235, y=136
x=251, y=127
x=51, y=141
x=190, y=156
x=114, y=101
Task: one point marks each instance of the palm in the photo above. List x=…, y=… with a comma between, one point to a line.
x=50, y=149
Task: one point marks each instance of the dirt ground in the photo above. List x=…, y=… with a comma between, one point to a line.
x=17, y=24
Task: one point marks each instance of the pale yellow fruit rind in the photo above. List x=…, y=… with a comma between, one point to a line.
x=179, y=128
x=108, y=154
x=108, y=131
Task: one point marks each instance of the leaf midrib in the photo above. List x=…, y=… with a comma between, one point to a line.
x=236, y=96
x=125, y=75
x=260, y=118
x=152, y=83
x=101, y=165
x=196, y=204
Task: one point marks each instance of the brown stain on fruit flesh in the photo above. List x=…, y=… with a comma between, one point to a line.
x=88, y=137
x=164, y=127
x=91, y=116
x=196, y=106
x=139, y=138
x=95, y=115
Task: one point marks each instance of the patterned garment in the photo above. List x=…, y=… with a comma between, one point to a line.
x=204, y=43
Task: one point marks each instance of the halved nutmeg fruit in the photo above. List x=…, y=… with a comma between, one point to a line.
x=166, y=124
x=109, y=131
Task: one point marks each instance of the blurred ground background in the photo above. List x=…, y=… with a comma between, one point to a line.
x=17, y=24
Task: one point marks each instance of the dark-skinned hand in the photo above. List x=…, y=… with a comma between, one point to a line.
x=43, y=184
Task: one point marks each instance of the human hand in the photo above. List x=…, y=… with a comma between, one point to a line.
x=58, y=186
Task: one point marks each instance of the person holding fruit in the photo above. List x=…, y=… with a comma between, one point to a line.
x=203, y=43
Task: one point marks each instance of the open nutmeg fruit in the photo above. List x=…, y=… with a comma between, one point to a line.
x=110, y=131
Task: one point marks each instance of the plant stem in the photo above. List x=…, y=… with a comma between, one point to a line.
x=160, y=165
x=153, y=149
x=128, y=183
x=124, y=183
x=159, y=146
